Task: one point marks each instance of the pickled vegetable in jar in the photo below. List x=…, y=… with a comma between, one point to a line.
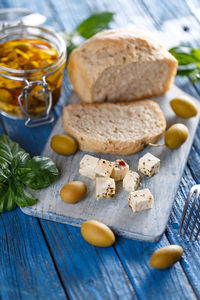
x=27, y=54
x=30, y=59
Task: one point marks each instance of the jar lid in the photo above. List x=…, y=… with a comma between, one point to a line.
x=14, y=16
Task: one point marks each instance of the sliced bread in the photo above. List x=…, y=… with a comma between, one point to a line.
x=115, y=128
x=121, y=65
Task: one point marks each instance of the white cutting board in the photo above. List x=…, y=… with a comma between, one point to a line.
x=147, y=225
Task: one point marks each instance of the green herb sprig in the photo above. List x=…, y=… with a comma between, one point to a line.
x=90, y=26
x=18, y=171
x=188, y=61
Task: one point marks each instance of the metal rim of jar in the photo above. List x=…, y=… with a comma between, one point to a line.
x=61, y=48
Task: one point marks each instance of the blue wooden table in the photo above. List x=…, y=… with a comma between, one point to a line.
x=41, y=259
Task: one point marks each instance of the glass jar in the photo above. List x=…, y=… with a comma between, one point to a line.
x=30, y=94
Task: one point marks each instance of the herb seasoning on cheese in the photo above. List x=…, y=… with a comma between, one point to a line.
x=105, y=187
x=131, y=181
x=149, y=164
x=140, y=200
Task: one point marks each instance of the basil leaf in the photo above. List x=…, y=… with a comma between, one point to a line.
x=18, y=165
x=184, y=58
x=7, y=197
x=8, y=148
x=186, y=55
x=196, y=54
x=21, y=172
x=19, y=161
x=181, y=49
x=188, y=61
x=185, y=70
x=12, y=194
x=4, y=170
x=43, y=172
x=22, y=196
x=16, y=169
x=95, y=23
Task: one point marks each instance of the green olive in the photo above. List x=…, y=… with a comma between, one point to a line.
x=63, y=144
x=73, y=191
x=184, y=107
x=165, y=257
x=97, y=233
x=176, y=135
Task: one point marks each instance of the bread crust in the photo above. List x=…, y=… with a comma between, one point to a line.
x=109, y=48
x=92, y=143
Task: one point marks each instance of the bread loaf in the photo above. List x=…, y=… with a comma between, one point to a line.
x=120, y=65
x=116, y=128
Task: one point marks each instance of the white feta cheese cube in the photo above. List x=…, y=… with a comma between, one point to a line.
x=131, y=181
x=140, y=200
x=104, y=168
x=149, y=164
x=105, y=187
x=120, y=169
x=88, y=165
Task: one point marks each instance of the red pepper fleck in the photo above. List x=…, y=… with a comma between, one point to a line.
x=122, y=163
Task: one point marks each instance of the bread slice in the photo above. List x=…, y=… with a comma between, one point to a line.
x=115, y=128
x=120, y=65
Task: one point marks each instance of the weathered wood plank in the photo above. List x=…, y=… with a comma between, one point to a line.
x=33, y=141
x=190, y=261
x=150, y=283
x=24, y=257
x=102, y=7
x=127, y=13
x=88, y=272
x=191, y=253
x=183, y=83
x=68, y=14
x=61, y=245
x=166, y=10
x=27, y=270
x=35, y=144
x=194, y=158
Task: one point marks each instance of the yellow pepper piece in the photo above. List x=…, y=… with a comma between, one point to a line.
x=23, y=46
x=29, y=54
x=5, y=96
